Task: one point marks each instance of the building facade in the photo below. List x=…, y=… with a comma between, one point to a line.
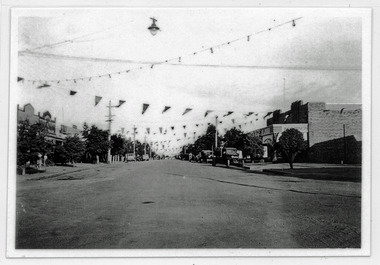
x=54, y=135
x=333, y=131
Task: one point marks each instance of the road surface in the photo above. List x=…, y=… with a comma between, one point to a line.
x=178, y=204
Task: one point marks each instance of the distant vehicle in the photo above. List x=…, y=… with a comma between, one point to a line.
x=227, y=156
x=130, y=157
x=145, y=157
x=248, y=159
x=206, y=156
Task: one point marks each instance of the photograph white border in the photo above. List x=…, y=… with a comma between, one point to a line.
x=366, y=188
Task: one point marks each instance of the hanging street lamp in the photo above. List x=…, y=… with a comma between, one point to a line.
x=153, y=28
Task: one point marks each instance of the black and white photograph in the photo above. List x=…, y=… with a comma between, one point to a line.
x=221, y=131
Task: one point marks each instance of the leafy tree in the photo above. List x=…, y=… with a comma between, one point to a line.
x=60, y=155
x=96, y=142
x=71, y=150
x=31, y=141
x=251, y=145
x=74, y=147
x=206, y=141
x=119, y=145
x=291, y=143
x=234, y=138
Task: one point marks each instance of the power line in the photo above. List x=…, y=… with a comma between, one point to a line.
x=288, y=67
x=175, y=59
x=52, y=45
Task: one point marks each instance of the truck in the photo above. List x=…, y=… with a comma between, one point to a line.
x=227, y=156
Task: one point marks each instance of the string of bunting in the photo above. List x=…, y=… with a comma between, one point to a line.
x=179, y=59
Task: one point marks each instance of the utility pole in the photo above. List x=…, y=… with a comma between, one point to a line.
x=109, y=131
x=150, y=150
x=145, y=144
x=283, y=96
x=134, y=141
x=216, y=132
x=344, y=144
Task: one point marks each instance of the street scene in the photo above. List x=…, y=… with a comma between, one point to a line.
x=187, y=129
x=177, y=204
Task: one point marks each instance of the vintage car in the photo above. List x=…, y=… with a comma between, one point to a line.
x=206, y=156
x=227, y=156
x=130, y=157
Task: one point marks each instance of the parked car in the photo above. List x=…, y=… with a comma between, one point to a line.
x=130, y=157
x=206, y=156
x=227, y=156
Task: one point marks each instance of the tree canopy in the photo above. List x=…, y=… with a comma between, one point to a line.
x=291, y=143
x=31, y=141
x=96, y=141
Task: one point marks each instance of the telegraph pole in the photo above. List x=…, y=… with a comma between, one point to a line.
x=283, y=96
x=134, y=141
x=109, y=131
x=150, y=150
x=216, y=132
x=145, y=144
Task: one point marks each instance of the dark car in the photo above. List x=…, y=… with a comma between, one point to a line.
x=206, y=156
x=228, y=156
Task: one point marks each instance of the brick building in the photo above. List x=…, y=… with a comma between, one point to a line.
x=333, y=131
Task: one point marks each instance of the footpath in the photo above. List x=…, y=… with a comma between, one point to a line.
x=340, y=172
x=55, y=171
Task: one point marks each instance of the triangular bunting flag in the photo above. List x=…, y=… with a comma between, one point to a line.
x=43, y=85
x=197, y=125
x=184, y=126
x=256, y=114
x=145, y=106
x=172, y=128
x=233, y=121
x=97, y=100
x=269, y=113
x=121, y=102
x=20, y=79
x=72, y=93
x=148, y=130
x=186, y=111
x=228, y=113
x=207, y=112
x=160, y=129
x=240, y=126
x=166, y=108
x=249, y=114
x=184, y=134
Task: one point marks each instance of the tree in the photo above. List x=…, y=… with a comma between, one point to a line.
x=119, y=145
x=251, y=145
x=32, y=141
x=71, y=150
x=74, y=147
x=247, y=143
x=206, y=141
x=97, y=142
x=290, y=144
x=234, y=138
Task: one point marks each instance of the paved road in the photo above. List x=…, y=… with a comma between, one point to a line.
x=178, y=204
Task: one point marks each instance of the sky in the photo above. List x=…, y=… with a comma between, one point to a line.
x=318, y=59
